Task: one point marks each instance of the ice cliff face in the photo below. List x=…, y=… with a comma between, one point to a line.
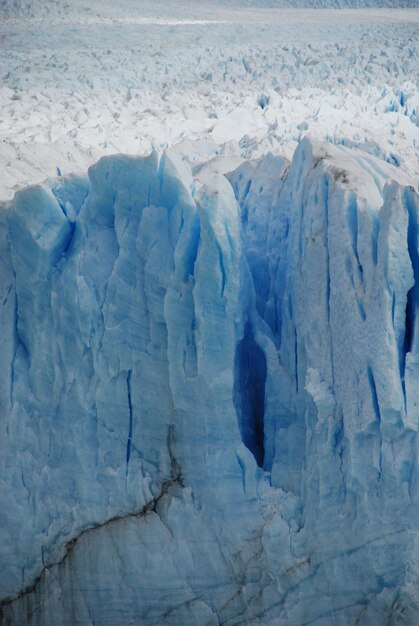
x=209, y=400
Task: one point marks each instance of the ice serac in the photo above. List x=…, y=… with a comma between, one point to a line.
x=346, y=435
x=209, y=406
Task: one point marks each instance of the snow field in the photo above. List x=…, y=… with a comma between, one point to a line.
x=84, y=81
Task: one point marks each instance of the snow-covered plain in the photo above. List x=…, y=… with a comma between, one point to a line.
x=210, y=354
x=85, y=79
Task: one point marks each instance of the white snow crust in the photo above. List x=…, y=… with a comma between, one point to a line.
x=80, y=80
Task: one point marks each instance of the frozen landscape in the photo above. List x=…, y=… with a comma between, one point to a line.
x=209, y=286
x=89, y=79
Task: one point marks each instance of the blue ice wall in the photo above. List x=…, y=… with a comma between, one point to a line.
x=209, y=399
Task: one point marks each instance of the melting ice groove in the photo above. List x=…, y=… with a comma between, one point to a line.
x=209, y=400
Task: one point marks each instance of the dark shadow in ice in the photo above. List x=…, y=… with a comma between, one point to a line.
x=249, y=393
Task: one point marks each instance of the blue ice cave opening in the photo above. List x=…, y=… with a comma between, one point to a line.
x=249, y=393
x=411, y=304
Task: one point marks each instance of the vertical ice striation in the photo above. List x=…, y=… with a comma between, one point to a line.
x=209, y=403
x=347, y=443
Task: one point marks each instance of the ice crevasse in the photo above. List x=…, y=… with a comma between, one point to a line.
x=209, y=398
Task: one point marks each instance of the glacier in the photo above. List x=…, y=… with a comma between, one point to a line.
x=210, y=393
x=89, y=78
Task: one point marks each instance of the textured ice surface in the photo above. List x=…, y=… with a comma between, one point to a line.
x=37, y=8
x=87, y=78
x=209, y=399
